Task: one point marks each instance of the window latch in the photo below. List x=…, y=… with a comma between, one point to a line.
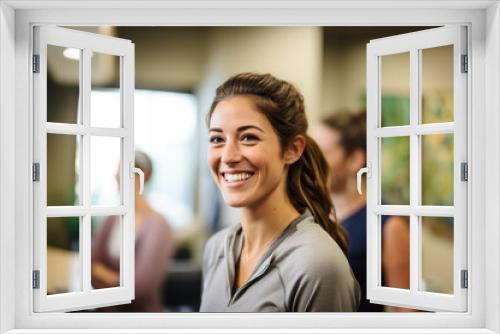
x=134, y=170
x=360, y=172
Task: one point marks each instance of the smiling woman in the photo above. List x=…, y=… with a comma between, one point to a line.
x=287, y=253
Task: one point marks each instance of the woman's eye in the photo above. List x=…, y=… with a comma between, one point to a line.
x=248, y=138
x=215, y=140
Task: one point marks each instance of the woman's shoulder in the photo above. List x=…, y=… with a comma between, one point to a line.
x=313, y=249
x=312, y=237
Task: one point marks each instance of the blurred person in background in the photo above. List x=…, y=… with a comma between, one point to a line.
x=342, y=139
x=153, y=250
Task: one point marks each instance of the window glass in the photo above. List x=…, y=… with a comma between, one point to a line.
x=106, y=251
x=105, y=109
x=437, y=169
x=437, y=84
x=395, y=89
x=63, y=170
x=437, y=254
x=395, y=243
x=63, y=81
x=395, y=170
x=105, y=153
x=63, y=255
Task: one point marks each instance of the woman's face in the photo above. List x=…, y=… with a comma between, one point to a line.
x=244, y=154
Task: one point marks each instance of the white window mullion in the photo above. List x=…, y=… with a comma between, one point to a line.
x=100, y=210
x=86, y=247
x=66, y=129
x=128, y=160
x=85, y=253
x=419, y=129
x=419, y=210
x=80, y=211
x=82, y=176
x=373, y=270
x=78, y=129
x=66, y=211
x=108, y=132
x=414, y=169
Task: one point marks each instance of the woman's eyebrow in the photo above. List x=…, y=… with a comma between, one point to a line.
x=246, y=127
x=239, y=129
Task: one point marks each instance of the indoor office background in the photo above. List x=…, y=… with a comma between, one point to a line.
x=177, y=70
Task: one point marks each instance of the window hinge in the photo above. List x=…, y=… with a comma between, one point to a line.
x=465, y=64
x=464, y=171
x=464, y=281
x=36, y=172
x=36, y=279
x=36, y=63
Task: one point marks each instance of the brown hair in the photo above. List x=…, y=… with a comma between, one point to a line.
x=283, y=105
x=351, y=127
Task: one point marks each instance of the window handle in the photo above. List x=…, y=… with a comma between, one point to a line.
x=134, y=170
x=360, y=172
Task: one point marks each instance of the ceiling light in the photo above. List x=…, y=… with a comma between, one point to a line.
x=72, y=53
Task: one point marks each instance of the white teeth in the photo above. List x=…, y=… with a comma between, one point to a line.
x=236, y=177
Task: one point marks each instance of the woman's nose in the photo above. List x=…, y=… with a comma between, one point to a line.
x=230, y=153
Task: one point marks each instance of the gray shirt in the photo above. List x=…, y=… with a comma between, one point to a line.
x=303, y=270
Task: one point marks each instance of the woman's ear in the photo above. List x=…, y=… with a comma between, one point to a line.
x=295, y=149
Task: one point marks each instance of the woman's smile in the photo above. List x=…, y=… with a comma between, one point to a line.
x=236, y=178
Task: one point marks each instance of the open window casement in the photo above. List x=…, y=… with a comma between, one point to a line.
x=81, y=140
x=417, y=165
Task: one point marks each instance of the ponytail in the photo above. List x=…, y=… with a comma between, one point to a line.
x=307, y=189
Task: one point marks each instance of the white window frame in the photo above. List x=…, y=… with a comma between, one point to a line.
x=16, y=19
x=412, y=44
x=87, y=43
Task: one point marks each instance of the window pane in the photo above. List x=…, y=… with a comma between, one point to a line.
x=63, y=258
x=63, y=168
x=395, y=251
x=395, y=170
x=105, y=154
x=437, y=169
x=437, y=254
x=437, y=84
x=395, y=89
x=106, y=251
x=105, y=109
x=63, y=84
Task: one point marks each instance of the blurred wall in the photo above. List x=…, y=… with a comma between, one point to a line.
x=168, y=58
x=344, y=64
